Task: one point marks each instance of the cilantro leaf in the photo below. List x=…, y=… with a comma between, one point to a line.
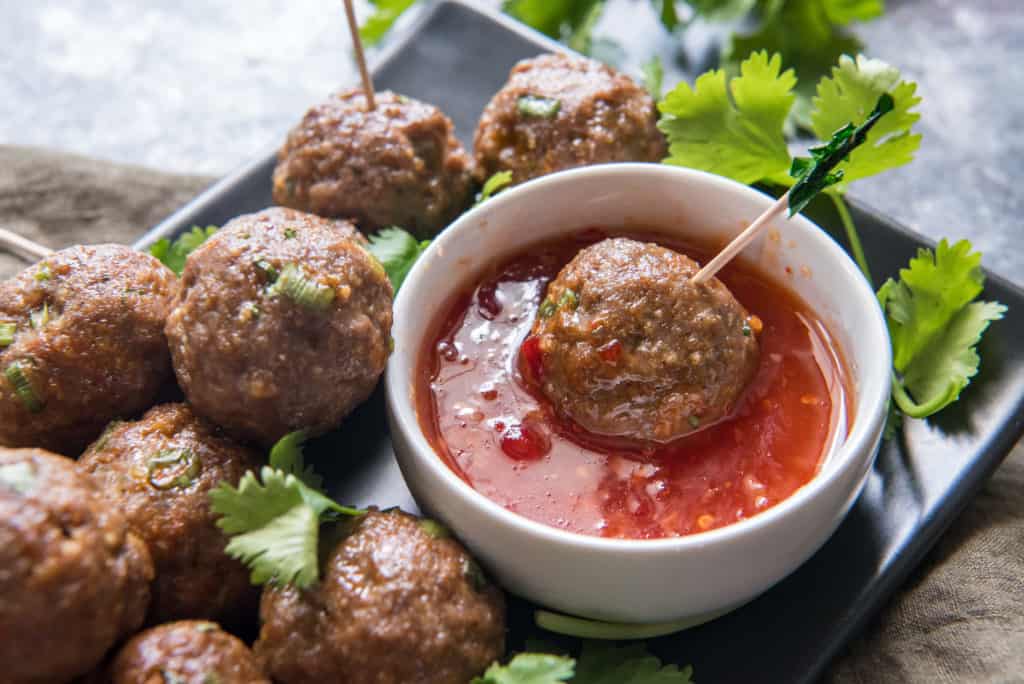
x=397, y=251
x=935, y=326
x=495, y=184
x=286, y=455
x=385, y=14
x=654, y=76
x=558, y=19
x=606, y=663
x=529, y=668
x=733, y=129
x=848, y=95
x=174, y=254
x=581, y=38
x=845, y=11
x=722, y=10
x=273, y=530
x=274, y=525
x=666, y=11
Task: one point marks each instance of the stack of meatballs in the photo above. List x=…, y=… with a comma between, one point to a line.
x=127, y=394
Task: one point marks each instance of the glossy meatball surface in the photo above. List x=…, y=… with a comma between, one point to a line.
x=629, y=347
x=73, y=578
x=81, y=343
x=396, y=603
x=159, y=472
x=283, y=322
x=185, y=652
x=399, y=164
x=559, y=112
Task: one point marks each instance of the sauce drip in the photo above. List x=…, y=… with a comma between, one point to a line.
x=493, y=428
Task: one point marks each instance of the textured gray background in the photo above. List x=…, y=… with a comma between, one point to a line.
x=201, y=87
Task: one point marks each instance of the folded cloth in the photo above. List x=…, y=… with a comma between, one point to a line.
x=960, y=617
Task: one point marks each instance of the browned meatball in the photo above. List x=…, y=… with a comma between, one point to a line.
x=186, y=652
x=81, y=342
x=559, y=112
x=398, y=603
x=629, y=347
x=159, y=472
x=399, y=164
x=73, y=578
x=283, y=323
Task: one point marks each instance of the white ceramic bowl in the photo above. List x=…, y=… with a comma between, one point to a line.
x=643, y=581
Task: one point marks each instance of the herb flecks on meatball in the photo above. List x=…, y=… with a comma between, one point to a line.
x=628, y=346
x=559, y=112
x=185, y=652
x=73, y=578
x=159, y=471
x=399, y=164
x=283, y=323
x=398, y=601
x=81, y=343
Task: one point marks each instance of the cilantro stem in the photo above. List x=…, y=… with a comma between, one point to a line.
x=852, y=235
x=611, y=631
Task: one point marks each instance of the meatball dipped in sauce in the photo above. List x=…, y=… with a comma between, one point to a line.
x=74, y=579
x=81, y=343
x=283, y=323
x=398, y=164
x=185, y=652
x=560, y=112
x=398, y=602
x=159, y=471
x=629, y=347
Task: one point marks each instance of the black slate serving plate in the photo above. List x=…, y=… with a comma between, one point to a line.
x=457, y=56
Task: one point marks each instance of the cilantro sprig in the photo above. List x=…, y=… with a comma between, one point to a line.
x=273, y=520
x=173, y=254
x=598, y=663
x=397, y=251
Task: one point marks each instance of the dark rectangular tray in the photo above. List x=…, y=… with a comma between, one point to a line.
x=457, y=56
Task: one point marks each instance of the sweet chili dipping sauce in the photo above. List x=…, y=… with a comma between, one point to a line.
x=497, y=431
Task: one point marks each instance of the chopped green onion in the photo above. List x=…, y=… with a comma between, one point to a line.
x=267, y=269
x=207, y=627
x=304, y=291
x=472, y=572
x=746, y=330
x=533, y=105
x=43, y=273
x=495, y=184
x=569, y=299
x=211, y=678
x=547, y=309
x=15, y=374
x=694, y=421
x=434, y=529
x=289, y=233
x=40, y=317
x=18, y=477
x=170, y=677
x=170, y=457
x=7, y=331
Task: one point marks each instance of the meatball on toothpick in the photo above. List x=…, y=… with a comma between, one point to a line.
x=81, y=343
x=283, y=323
x=630, y=346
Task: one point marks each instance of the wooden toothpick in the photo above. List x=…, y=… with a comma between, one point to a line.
x=741, y=241
x=13, y=242
x=357, y=45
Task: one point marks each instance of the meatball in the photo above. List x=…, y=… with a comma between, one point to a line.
x=559, y=112
x=399, y=164
x=73, y=578
x=81, y=342
x=629, y=347
x=185, y=652
x=283, y=322
x=159, y=472
x=398, y=602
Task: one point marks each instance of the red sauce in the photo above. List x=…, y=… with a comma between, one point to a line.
x=493, y=429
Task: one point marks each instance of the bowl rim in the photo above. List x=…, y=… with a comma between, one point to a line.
x=869, y=404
